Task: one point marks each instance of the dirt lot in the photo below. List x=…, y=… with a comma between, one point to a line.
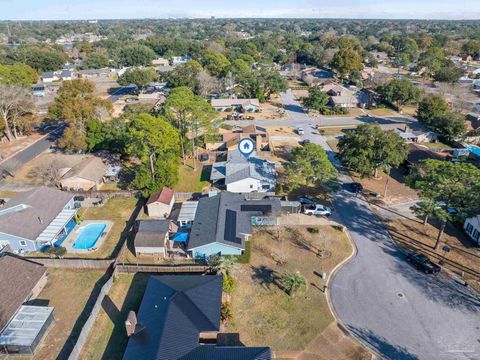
x=463, y=256
x=262, y=312
x=27, y=173
x=8, y=149
x=108, y=339
x=70, y=292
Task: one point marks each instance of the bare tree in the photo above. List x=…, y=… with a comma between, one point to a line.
x=49, y=173
x=207, y=83
x=15, y=102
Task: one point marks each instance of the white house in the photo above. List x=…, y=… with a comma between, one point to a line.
x=160, y=205
x=177, y=60
x=49, y=76
x=241, y=175
x=472, y=228
x=66, y=75
x=248, y=105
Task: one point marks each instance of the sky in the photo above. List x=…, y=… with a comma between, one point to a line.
x=130, y=9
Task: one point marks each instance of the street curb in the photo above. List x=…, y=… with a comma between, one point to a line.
x=330, y=279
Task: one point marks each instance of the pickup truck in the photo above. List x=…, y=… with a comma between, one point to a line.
x=423, y=263
x=317, y=209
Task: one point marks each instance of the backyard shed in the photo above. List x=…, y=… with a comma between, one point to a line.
x=151, y=237
x=160, y=204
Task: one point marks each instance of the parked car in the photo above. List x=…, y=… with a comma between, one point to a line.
x=305, y=142
x=317, y=209
x=300, y=131
x=306, y=200
x=423, y=263
x=356, y=187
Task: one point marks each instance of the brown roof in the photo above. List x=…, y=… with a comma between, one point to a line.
x=417, y=153
x=18, y=277
x=165, y=196
x=92, y=169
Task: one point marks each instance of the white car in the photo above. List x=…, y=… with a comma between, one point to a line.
x=300, y=131
x=317, y=209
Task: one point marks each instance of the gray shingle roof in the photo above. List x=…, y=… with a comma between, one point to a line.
x=225, y=218
x=43, y=203
x=174, y=310
x=211, y=352
x=151, y=233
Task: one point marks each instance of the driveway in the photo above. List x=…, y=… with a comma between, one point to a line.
x=386, y=303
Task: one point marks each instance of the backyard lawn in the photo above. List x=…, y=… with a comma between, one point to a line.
x=263, y=313
x=70, y=292
x=191, y=180
x=108, y=339
x=123, y=213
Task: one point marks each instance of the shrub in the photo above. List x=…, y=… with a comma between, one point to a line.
x=313, y=230
x=245, y=257
x=229, y=284
x=56, y=251
x=226, y=311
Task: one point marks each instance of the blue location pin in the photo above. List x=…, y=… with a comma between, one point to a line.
x=246, y=147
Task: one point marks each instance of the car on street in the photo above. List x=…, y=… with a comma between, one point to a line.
x=423, y=263
x=317, y=209
x=306, y=200
x=304, y=142
x=356, y=187
x=300, y=131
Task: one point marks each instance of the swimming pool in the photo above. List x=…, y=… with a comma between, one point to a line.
x=473, y=149
x=88, y=236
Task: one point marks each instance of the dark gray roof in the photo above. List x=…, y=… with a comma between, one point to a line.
x=211, y=352
x=226, y=218
x=174, y=310
x=48, y=74
x=151, y=233
x=42, y=203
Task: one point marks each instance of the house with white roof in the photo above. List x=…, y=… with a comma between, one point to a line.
x=242, y=175
x=248, y=105
x=35, y=219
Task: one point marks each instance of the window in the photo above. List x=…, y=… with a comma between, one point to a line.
x=23, y=243
x=251, y=186
x=469, y=228
x=476, y=235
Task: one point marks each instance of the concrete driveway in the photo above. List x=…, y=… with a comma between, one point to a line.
x=386, y=303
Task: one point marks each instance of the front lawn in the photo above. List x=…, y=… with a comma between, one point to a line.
x=263, y=313
x=108, y=339
x=72, y=293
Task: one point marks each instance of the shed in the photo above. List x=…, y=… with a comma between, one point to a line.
x=187, y=213
x=151, y=237
x=27, y=328
x=160, y=204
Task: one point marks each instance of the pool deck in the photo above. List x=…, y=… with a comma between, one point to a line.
x=68, y=242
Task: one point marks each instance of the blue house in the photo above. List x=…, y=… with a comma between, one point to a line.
x=223, y=223
x=36, y=218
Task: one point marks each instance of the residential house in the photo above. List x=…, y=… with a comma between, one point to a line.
x=36, y=218
x=152, y=236
x=160, y=62
x=223, y=223
x=231, y=138
x=317, y=77
x=417, y=153
x=347, y=102
x=49, y=77
x=340, y=96
x=367, y=98
x=418, y=136
x=66, y=75
x=160, y=204
x=22, y=327
x=178, y=60
x=472, y=228
x=87, y=175
x=38, y=90
x=94, y=73
x=179, y=318
x=242, y=175
x=247, y=105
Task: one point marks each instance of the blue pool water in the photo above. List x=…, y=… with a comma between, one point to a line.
x=473, y=149
x=88, y=236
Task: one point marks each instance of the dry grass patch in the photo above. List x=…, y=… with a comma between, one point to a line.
x=69, y=291
x=262, y=312
x=108, y=339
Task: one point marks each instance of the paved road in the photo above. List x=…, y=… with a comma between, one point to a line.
x=11, y=165
x=122, y=91
x=382, y=300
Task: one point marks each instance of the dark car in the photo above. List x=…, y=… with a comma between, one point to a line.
x=305, y=142
x=307, y=201
x=423, y=263
x=356, y=187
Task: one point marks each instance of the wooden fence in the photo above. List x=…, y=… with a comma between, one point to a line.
x=130, y=269
x=73, y=263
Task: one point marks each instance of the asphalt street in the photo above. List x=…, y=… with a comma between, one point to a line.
x=380, y=298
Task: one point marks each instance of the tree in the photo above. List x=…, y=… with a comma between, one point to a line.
x=75, y=104
x=309, y=164
x=448, y=73
x=270, y=82
x=471, y=48
x=136, y=55
x=189, y=112
x=155, y=143
x=216, y=63
x=449, y=125
x=431, y=107
x=316, y=99
x=138, y=76
x=18, y=75
x=345, y=60
x=15, y=102
x=292, y=282
x=400, y=92
x=96, y=60
x=207, y=83
x=368, y=148
x=432, y=60
x=40, y=58
x=109, y=135
x=184, y=75
x=448, y=185
x=222, y=264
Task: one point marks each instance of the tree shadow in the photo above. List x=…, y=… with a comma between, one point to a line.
x=205, y=174
x=380, y=344
x=118, y=340
x=266, y=276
